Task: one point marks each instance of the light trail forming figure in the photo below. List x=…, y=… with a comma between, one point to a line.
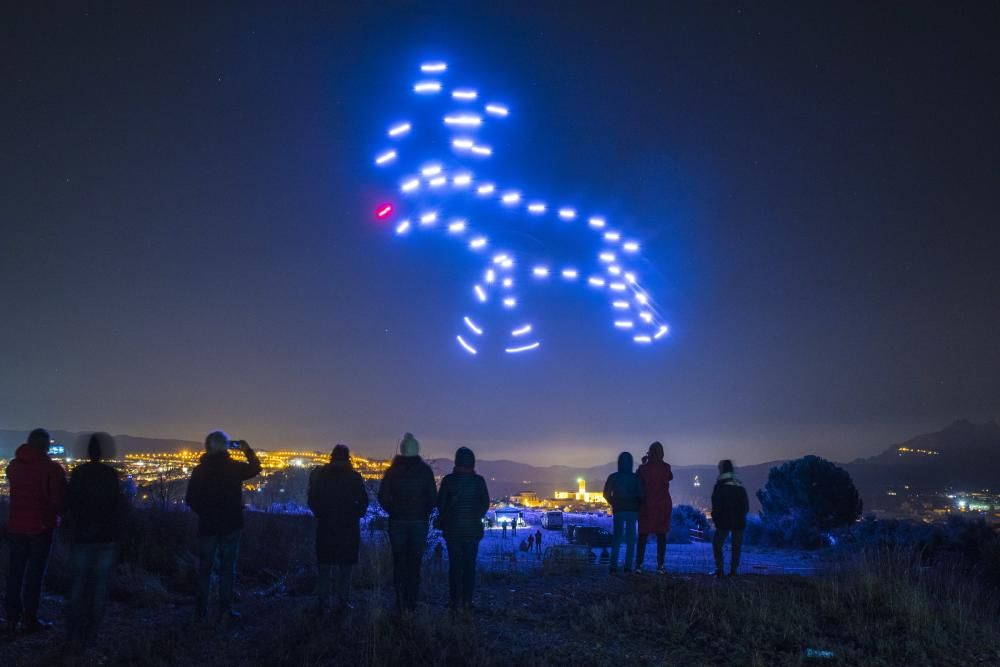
x=430, y=188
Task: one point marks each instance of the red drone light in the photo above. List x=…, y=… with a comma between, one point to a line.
x=383, y=211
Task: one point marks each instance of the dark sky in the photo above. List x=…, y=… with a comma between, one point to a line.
x=188, y=240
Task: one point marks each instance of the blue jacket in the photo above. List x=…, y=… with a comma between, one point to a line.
x=623, y=490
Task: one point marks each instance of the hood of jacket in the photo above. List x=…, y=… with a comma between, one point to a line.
x=401, y=461
x=30, y=454
x=214, y=458
x=729, y=478
x=624, y=462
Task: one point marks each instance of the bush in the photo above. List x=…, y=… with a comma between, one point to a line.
x=683, y=520
x=807, y=497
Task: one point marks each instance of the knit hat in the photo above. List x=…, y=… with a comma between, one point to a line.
x=409, y=446
x=340, y=453
x=465, y=458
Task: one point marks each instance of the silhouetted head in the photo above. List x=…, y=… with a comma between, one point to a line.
x=40, y=439
x=624, y=462
x=409, y=446
x=340, y=454
x=465, y=458
x=100, y=446
x=725, y=465
x=656, y=451
x=216, y=442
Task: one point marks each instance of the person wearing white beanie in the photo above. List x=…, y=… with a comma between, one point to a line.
x=408, y=495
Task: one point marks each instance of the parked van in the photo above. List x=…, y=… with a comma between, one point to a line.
x=552, y=520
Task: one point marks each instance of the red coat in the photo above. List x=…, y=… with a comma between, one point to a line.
x=37, y=492
x=654, y=514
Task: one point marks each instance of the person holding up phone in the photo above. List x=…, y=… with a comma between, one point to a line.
x=215, y=494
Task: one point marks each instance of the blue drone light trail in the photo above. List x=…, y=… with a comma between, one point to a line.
x=468, y=348
x=463, y=120
x=497, y=110
x=385, y=158
x=399, y=130
x=444, y=187
x=427, y=87
x=475, y=329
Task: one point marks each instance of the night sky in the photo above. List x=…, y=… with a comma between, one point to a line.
x=188, y=238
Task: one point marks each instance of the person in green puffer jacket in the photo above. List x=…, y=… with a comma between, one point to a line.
x=462, y=503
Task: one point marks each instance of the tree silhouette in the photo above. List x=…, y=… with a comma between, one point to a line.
x=809, y=494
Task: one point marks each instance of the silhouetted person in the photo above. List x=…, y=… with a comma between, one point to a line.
x=338, y=498
x=531, y=542
x=538, y=542
x=37, y=497
x=408, y=495
x=623, y=491
x=503, y=530
x=462, y=503
x=729, y=512
x=95, y=509
x=654, y=514
x=513, y=527
x=215, y=493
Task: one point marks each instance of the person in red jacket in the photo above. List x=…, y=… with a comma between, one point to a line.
x=37, y=498
x=654, y=514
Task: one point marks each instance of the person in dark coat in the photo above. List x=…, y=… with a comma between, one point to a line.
x=538, y=542
x=654, y=514
x=95, y=510
x=623, y=491
x=215, y=494
x=37, y=498
x=408, y=495
x=730, y=505
x=338, y=499
x=462, y=503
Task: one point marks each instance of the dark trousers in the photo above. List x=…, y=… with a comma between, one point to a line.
x=625, y=524
x=90, y=565
x=720, y=538
x=228, y=549
x=28, y=556
x=462, y=571
x=661, y=549
x=408, y=539
x=325, y=581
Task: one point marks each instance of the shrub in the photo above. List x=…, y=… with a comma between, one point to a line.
x=683, y=520
x=806, y=497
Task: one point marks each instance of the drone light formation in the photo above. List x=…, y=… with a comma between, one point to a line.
x=442, y=183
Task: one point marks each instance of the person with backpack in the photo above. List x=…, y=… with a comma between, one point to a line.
x=338, y=500
x=623, y=491
x=654, y=514
x=408, y=495
x=730, y=506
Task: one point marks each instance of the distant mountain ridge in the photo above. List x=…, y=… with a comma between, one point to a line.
x=963, y=455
